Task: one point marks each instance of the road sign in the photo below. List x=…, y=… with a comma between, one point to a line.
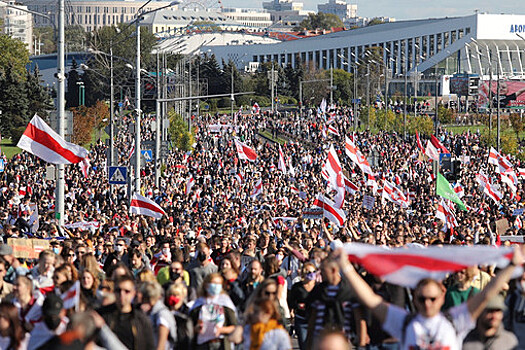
x=148, y=154
x=2, y=165
x=118, y=175
x=356, y=100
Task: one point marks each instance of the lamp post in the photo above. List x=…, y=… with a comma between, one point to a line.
x=61, y=98
x=138, y=110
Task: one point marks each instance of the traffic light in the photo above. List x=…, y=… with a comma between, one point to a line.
x=473, y=86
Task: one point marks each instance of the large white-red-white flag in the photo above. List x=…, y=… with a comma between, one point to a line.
x=245, y=152
x=394, y=194
x=408, y=265
x=42, y=141
x=330, y=211
x=257, y=189
x=144, y=206
x=357, y=157
x=282, y=164
x=446, y=214
x=189, y=185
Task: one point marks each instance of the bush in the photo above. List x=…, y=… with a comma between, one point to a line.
x=179, y=134
x=224, y=102
x=263, y=101
x=509, y=145
x=446, y=116
x=16, y=133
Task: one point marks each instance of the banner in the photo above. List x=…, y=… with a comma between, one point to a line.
x=27, y=248
x=512, y=94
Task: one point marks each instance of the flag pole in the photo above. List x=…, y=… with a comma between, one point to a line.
x=59, y=195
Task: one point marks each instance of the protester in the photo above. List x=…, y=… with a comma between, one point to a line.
x=12, y=335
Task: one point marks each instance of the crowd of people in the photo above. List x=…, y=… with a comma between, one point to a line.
x=236, y=266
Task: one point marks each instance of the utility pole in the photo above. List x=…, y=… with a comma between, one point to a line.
x=368, y=94
x=232, y=99
x=498, y=110
x=190, y=94
x=137, y=106
x=491, y=97
x=271, y=85
x=405, y=107
x=436, y=115
x=61, y=98
x=301, y=99
x=355, y=96
x=157, y=126
x=331, y=83
x=111, y=107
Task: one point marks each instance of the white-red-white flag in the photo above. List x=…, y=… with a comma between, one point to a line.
x=84, y=166
x=330, y=211
x=71, y=297
x=431, y=151
x=419, y=144
x=333, y=130
x=408, y=265
x=521, y=172
x=189, y=185
x=518, y=224
x=357, y=157
x=494, y=194
x=255, y=108
x=144, y=206
x=460, y=191
x=257, y=189
x=245, y=152
x=394, y=194
x=332, y=166
x=282, y=164
x=42, y=141
x=350, y=186
x=446, y=214
x=239, y=178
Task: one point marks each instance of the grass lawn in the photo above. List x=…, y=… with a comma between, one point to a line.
x=505, y=130
x=268, y=135
x=9, y=149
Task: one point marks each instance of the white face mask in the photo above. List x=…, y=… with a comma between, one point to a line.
x=119, y=248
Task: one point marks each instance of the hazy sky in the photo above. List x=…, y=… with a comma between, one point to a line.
x=407, y=9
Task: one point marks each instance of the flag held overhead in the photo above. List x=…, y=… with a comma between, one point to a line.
x=444, y=190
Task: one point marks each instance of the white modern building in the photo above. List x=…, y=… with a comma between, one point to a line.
x=479, y=43
x=93, y=14
x=17, y=23
x=340, y=8
x=251, y=18
x=165, y=23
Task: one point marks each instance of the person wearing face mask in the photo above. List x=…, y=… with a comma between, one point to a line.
x=118, y=255
x=515, y=315
x=214, y=315
x=297, y=301
x=176, y=301
x=54, y=322
x=201, y=267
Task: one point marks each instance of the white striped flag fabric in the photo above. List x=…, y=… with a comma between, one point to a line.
x=335, y=215
x=333, y=130
x=521, y=172
x=357, y=157
x=239, y=178
x=131, y=152
x=494, y=194
x=439, y=146
x=42, y=141
x=281, y=165
x=431, y=151
x=257, y=189
x=144, y=206
x=460, y=191
x=408, y=265
x=350, y=186
x=71, y=297
x=518, y=224
x=84, y=166
x=419, y=144
x=332, y=166
x=446, y=214
x=189, y=185
x=394, y=194
x=245, y=152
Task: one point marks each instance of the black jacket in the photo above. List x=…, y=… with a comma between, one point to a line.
x=141, y=327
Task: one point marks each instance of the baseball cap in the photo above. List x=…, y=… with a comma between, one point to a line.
x=5, y=250
x=496, y=303
x=52, y=305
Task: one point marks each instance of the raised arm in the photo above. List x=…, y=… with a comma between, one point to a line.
x=363, y=291
x=477, y=303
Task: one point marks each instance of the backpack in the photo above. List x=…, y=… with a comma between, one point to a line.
x=184, y=330
x=411, y=316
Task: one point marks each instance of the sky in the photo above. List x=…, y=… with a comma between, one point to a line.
x=409, y=9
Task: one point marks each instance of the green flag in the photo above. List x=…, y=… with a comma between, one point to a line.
x=444, y=190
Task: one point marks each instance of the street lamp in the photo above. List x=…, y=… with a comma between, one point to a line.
x=141, y=14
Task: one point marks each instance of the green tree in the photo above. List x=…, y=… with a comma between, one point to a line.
x=517, y=124
x=210, y=69
x=76, y=38
x=13, y=56
x=45, y=36
x=342, y=85
x=179, y=134
x=73, y=79
x=320, y=20
x=39, y=101
x=375, y=21
x=13, y=102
